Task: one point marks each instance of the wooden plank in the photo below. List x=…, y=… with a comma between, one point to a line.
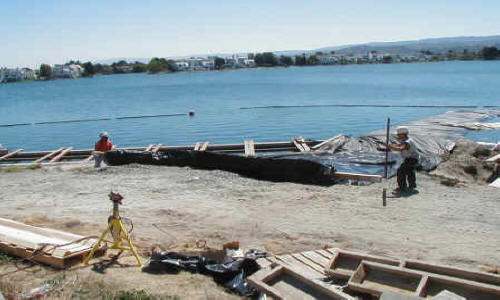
x=48, y=155
x=304, y=260
x=22, y=240
x=326, y=142
x=299, y=265
x=356, y=176
x=495, y=158
x=149, y=147
x=319, y=260
x=89, y=158
x=249, y=148
x=60, y=155
x=344, y=263
x=157, y=148
x=460, y=273
x=197, y=146
x=325, y=254
x=10, y=154
x=375, y=278
x=205, y=146
x=465, y=288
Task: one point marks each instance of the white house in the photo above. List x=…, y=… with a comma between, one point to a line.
x=67, y=71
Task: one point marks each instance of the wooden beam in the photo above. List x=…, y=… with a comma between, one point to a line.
x=355, y=176
x=149, y=147
x=197, y=146
x=249, y=148
x=301, y=144
x=326, y=142
x=48, y=155
x=60, y=155
x=10, y=154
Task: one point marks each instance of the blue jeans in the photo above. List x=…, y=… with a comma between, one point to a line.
x=98, y=160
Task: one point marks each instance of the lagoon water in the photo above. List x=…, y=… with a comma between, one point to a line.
x=217, y=98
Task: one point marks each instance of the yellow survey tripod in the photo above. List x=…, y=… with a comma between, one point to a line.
x=118, y=231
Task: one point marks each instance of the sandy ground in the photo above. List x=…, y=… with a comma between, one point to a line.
x=175, y=207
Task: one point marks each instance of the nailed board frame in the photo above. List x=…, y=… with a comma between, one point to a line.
x=260, y=281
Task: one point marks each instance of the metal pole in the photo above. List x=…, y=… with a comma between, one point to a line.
x=386, y=175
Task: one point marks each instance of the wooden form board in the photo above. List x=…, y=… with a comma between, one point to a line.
x=356, y=176
x=285, y=282
x=22, y=240
x=371, y=274
x=60, y=155
x=249, y=148
x=375, y=278
x=149, y=147
x=344, y=263
x=10, y=154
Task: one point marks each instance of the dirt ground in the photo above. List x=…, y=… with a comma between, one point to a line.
x=176, y=207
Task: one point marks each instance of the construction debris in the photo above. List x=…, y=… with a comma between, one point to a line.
x=357, y=274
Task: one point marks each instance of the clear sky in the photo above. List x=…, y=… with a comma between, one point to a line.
x=55, y=31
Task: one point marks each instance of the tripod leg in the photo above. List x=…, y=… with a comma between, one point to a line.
x=132, y=248
x=96, y=246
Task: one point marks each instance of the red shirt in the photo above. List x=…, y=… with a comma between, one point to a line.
x=103, y=146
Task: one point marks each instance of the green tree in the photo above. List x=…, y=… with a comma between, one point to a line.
x=312, y=60
x=490, y=53
x=45, y=71
x=387, y=59
x=139, y=67
x=219, y=62
x=286, y=60
x=88, y=69
x=157, y=65
x=300, y=60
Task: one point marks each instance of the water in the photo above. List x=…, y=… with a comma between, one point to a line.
x=218, y=96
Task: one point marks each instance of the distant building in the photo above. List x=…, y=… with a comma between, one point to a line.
x=67, y=71
x=17, y=74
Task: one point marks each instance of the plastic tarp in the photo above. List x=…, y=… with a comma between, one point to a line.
x=230, y=274
x=433, y=136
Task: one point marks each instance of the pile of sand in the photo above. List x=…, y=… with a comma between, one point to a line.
x=466, y=164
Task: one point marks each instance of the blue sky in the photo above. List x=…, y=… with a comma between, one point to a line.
x=50, y=31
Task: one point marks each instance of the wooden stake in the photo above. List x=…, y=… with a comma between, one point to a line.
x=384, y=197
x=10, y=154
x=386, y=173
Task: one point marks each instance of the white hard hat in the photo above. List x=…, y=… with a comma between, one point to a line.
x=402, y=130
x=103, y=134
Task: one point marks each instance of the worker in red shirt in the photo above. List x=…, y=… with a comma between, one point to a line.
x=101, y=147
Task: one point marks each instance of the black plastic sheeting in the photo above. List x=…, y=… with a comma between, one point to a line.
x=298, y=168
x=231, y=274
x=433, y=136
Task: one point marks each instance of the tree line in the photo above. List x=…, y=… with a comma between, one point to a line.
x=265, y=59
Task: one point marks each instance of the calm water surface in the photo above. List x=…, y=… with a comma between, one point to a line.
x=218, y=96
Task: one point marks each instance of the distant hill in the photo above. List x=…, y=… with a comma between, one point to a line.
x=435, y=45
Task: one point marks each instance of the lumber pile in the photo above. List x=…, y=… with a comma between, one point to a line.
x=53, y=247
x=338, y=274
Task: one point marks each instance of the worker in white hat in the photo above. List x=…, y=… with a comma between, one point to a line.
x=101, y=147
x=406, y=172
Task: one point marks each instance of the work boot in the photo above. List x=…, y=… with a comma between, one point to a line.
x=398, y=191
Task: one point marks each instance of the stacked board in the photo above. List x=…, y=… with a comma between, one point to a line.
x=53, y=247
